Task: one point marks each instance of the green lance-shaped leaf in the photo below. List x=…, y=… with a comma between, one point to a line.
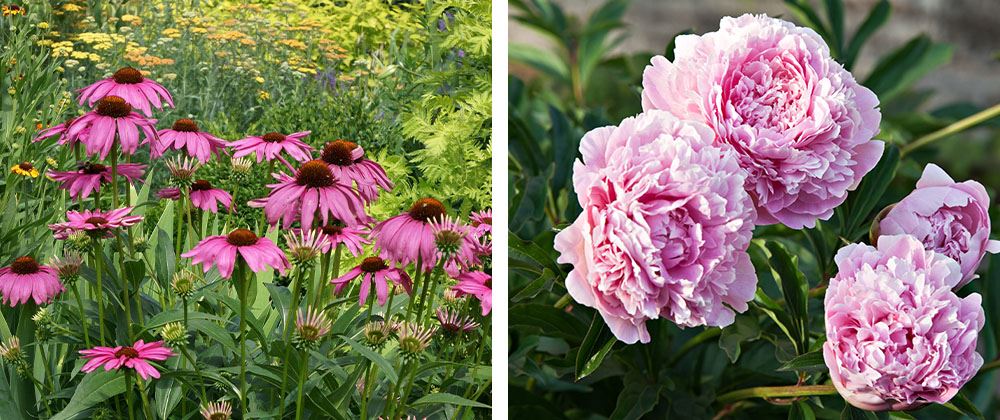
x=95, y=388
x=795, y=289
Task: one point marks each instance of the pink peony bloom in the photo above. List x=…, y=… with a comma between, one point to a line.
x=129, y=84
x=204, y=197
x=184, y=135
x=948, y=217
x=336, y=233
x=112, y=119
x=664, y=230
x=97, y=223
x=61, y=130
x=374, y=269
x=89, y=176
x=800, y=123
x=136, y=356
x=407, y=237
x=313, y=191
x=478, y=284
x=169, y=193
x=223, y=250
x=269, y=147
x=347, y=161
x=25, y=279
x=897, y=337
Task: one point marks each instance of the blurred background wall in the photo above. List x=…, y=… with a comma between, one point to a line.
x=972, y=27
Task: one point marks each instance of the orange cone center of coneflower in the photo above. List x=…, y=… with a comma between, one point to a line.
x=338, y=152
x=128, y=352
x=485, y=220
x=373, y=264
x=25, y=166
x=92, y=168
x=185, y=125
x=24, y=265
x=114, y=107
x=201, y=185
x=273, y=137
x=315, y=174
x=127, y=75
x=96, y=220
x=241, y=237
x=427, y=209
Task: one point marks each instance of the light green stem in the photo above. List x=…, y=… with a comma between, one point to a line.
x=302, y=380
x=776, y=392
x=956, y=127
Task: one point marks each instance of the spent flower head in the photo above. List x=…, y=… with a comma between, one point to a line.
x=377, y=333
x=182, y=169
x=454, y=323
x=311, y=326
x=413, y=339
x=305, y=245
x=217, y=410
x=68, y=267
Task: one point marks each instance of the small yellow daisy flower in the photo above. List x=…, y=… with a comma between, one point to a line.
x=25, y=169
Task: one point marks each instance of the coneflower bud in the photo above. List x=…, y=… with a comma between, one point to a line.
x=241, y=168
x=183, y=283
x=10, y=350
x=80, y=242
x=413, y=340
x=174, y=334
x=68, y=267
x=182, y=170
x=140, y=244
x=305, y=246
x=453, y=323
x=310, y=328
x=44, y=324
x=377, y=333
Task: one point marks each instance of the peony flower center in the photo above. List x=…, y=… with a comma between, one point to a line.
x=25, y=166
x=315, y=174
x=114, y=107
x=373, y=264
x=201, y=185
x=97, y=221
x=127, y=75
x=242, y=237
x=338, y=152
x=24, y=265
x=185, y=125
x=92, y=168
x=128, y=352
x=427, y=209
x=769, y=94
x=273, y=137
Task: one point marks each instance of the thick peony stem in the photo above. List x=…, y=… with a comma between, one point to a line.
x=776, y=392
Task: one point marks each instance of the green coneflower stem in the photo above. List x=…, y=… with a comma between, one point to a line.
x=323, y=279
x=179, y=221
x=114, y=176
x=430, y=280
x=128, y=398
x=146, y=408
x=434, y=280
x=416, y=284
x=302, y=380
x=99, y=296
x=293, y=306
x=184, y=302
x=201, y=385
x=241, y=292
x=479, y=355
x=83, y=318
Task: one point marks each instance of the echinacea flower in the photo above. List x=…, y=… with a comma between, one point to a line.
x=25, y=279
x=111, y=119
x=223, y=250
x=482, y=221
x=377, y=333
x=337, y=233
x=664, y=230
x=374, y=269
x=312, y=192
x=182, y=169
x=217, y=410
x=897, y=337
x=169, y=193
x=949, y=217
x=62, y=130
x=413, y=339
x=478, y=284
x=67, y=266
x=95, y=223
x=185, y=135
x=137, y=357
x=88, y=177
x=456, y=244
x=25, y=169
x=800, y=124
x=269, y=146
x=347, y=161
x=407, y=237
x=129, y=84
x=453, y=322
x=305, y=245
x=311, y=325
x=207, y=198
x=10, y=350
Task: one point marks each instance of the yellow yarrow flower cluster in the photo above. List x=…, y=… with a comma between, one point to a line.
x=171, y=33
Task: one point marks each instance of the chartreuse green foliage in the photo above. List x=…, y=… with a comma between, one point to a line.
x=565, y=363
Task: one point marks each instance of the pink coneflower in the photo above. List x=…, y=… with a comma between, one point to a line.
x=222, y=251
x=336, y=233
x=305, y=245
x=62, y=131
x=204, y=197
x=129, y=84
x=347, y=161
x=185, y=135
x=217, y=411
x=182, y=168
x=112, y=117
x=169, y=193
x=313, y=190
x=95, y=223
x=374, y=269
x=408, y=236
x=455, y=243
x=453, y=322
x=311, y=326
x=482, y=221
x=136, y=356
x=25, y=279
x=269, y=146
x=88, y=177
x=476, y=283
